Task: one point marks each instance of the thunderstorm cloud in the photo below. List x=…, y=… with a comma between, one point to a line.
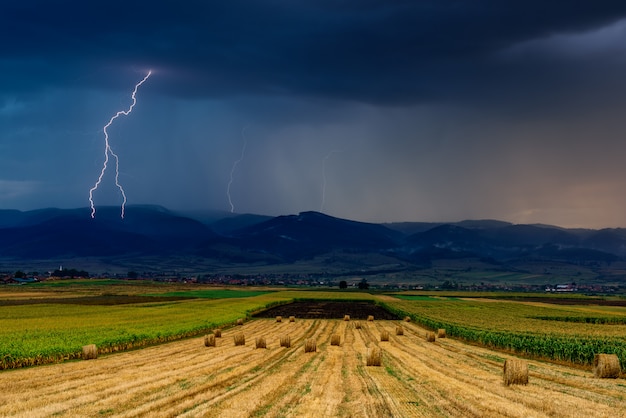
x=442, y=110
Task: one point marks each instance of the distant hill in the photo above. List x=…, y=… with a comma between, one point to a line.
x=153, y=234
x=208, y=216
x=52, y=233
x=410, y=228
x=230, y=224
x=504, y=241
x=313, y=233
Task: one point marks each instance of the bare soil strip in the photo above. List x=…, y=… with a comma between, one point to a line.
x=417, y=379
x=328, y=309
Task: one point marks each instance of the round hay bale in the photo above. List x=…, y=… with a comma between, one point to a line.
x=218, y=333
x=346, y=317
x=357, y=325
x=90, y=351
x=240, y=321
x=384, y=335
x=335, y=339
x=292, y=319
x=240, y=339
x=374, y=356
x=279, y=318
x=209, y=340
x=407, y=319
x=430, y=337
x=606, y=366
x=399, y=330
x=259, y=342
x=310, y=345
x=441, y=333
x=285, y=341
x=370, y=318
x=515, y=372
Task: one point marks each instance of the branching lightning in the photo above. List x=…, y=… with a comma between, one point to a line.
x=324, y=177
x=232, y=170
x=108, y=150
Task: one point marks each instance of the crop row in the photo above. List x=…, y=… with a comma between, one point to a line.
x=609, y=320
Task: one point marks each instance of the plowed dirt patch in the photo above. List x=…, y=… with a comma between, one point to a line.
x=328, y=310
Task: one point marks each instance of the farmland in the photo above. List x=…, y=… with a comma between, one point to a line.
x=55, y=332
x=448, y=377
x=530, y=328
x=51, y=323
x=417, y=378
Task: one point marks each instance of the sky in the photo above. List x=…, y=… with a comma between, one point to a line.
x=371, y=110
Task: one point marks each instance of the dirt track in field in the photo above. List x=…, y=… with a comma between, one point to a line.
x=417, y=379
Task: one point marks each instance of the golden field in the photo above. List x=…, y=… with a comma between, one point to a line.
x=417, y=378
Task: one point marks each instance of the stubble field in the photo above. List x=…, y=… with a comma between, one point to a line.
x=417, y=379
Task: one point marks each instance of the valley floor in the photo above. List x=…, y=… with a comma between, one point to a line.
x=417, y=378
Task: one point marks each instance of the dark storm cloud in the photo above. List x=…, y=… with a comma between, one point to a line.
x=372, y=51
x=441, y=110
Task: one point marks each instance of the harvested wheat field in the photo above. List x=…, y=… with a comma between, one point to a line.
x=416, y=378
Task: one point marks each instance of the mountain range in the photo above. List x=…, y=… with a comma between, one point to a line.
x=242, y=239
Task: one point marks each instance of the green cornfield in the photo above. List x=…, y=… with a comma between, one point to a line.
x=531, y=329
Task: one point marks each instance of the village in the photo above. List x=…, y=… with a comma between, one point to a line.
x=311, y=280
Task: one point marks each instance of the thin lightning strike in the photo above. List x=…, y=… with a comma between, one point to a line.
x=232, y=170
x=108, y=150
x=324, y=178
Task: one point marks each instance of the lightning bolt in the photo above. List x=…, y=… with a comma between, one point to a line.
x=108, y=150
x=324, y=177
x=232, y=170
